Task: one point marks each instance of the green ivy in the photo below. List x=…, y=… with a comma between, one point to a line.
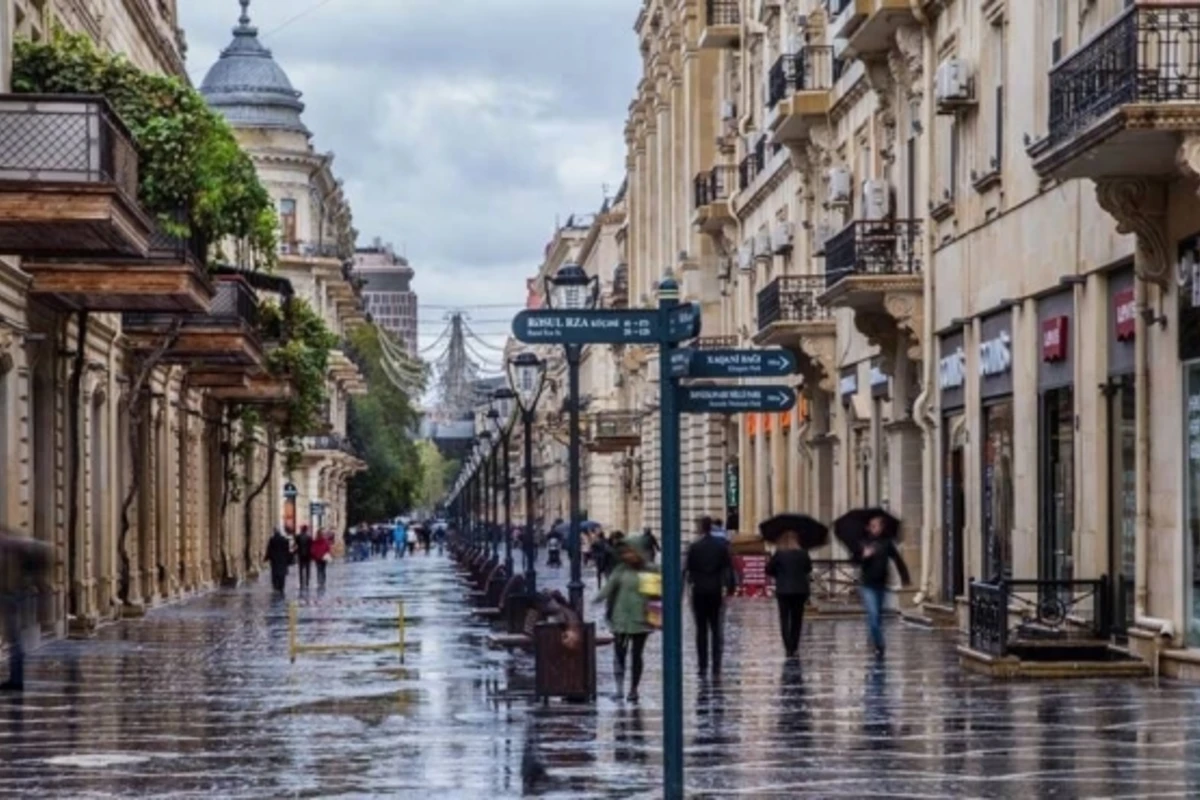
x=188, y=156
x=303, y=357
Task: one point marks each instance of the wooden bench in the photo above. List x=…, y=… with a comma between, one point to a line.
x=513, y=589
x=518, y=641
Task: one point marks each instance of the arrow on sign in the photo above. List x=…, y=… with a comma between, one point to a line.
x=735, y=399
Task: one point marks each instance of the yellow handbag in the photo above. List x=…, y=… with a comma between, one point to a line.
x=650, y=585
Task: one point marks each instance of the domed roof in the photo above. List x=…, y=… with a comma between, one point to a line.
x=248, y=87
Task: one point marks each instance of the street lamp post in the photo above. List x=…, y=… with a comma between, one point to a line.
x=527, y=377
x=572, y=290
x=501, y=416
x=483, y=473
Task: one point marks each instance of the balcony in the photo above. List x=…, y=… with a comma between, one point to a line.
x=615, y=431
x=712, y=192
x=68, y=179
x=790, y=316
x=346, y=372
x=219, y=346
x=619, y=295
x=874, y=267
x=262, y=389
x=1119, y=103
x=331, y=446
x=722, y=24
x=799, y=93
x=172, y=276
x=868, y=26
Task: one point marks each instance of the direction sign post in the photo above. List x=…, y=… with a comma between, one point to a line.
x=609, y=326
x=735, y=399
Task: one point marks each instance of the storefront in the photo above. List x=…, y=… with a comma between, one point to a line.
x=880, y=418
x=995, y=391
x=952, y=381
x=1056, y=437
x=1122, y=444
x=1189, y=354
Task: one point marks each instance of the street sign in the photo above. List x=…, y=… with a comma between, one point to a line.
x=683, y=322
x=289, y=491
x=773, y=363
x=549, y=326
x=735, y=399
x=681, y=363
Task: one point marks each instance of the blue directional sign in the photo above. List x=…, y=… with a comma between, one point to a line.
x=774, y=363
x=735, y=399
x=587, y=327
x=681, y=362
x=683, y=322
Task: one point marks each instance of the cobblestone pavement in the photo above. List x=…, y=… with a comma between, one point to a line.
x=199, y=700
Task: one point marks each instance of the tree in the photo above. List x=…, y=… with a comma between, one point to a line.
x=380, y=425
x=436, y=473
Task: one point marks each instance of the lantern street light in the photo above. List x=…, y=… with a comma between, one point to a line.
x=572, y=290
x=503, y=406
x=486, y=489
x=527, y=378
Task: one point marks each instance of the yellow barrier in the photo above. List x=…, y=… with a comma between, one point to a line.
x=294, y=646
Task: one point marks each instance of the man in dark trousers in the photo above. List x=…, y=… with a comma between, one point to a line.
x=304, y=556
x=708, y=567
x=24, y=570
x=279, y=556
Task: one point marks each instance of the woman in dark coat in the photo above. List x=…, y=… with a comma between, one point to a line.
x=791, y=568
x=279, y=556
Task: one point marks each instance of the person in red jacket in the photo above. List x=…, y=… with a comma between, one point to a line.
x=322, y=553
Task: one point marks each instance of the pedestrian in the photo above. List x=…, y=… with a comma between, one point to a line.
x=399, y=537
x=279, y=556
x=652, y=546
x=24, y=568
x=439, y=537
x=791, y=568
x=412, y=538
x=708, y=567
x=876, y=553
x=426, y=535
x=554, y=549
x=601, y=555
x=719, y=529
x=627, y=603
x=304, y=542
x=322, y=554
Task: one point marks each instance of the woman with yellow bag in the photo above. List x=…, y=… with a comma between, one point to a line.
x=633, y=600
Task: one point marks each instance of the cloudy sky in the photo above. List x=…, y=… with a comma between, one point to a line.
x=462, y=128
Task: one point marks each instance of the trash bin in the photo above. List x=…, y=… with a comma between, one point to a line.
x=562, y=673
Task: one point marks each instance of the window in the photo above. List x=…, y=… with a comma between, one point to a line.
x=1058, y=31
x=287, y=221
x=998, y=64
x=997, y=489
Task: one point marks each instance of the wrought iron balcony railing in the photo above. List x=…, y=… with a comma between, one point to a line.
x=874, y=247
x=332, y=443
x=166, y=245
x=812, y=69
x=66, y=139
x=715, y=185
x=617, y=425
x=1005, y=612
x=233, y=306
x=791, y=298
x=1149, y=54
x=723, y=12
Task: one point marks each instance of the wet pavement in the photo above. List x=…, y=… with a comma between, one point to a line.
x=200, y=700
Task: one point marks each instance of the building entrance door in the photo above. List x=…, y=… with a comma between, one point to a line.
x=953, y=509
x=1057, y=558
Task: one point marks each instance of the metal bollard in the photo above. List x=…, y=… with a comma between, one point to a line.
x=292, y=625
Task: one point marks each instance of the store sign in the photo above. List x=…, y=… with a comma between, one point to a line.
x=1125, y=314
x=1054, y=339
x=952, y=370
x=732, y=486
x=995, y=355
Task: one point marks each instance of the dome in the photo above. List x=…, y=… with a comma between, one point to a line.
x=248, y=87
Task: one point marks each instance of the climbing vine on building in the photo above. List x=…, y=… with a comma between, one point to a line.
x=188, y=158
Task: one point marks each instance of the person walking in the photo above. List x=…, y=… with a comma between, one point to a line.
x=24, y=569
x=322, y=553
x=877, y=552
x=411, y=538
x=791, y=567
x=399, y=538
x=279, y=556
x=627, y=606
x=652, y=546
x=709, y=570
x=304, y=542
x=601, y=557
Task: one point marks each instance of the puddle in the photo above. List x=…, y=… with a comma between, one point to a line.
x=95, y=760
x=371, y=710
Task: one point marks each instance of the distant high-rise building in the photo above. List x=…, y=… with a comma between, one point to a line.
x=388, y=293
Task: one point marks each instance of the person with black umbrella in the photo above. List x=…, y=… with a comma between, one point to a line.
x=791, y=567
x=871, y=535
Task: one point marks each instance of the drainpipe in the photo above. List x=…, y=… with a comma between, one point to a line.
x=923, y=406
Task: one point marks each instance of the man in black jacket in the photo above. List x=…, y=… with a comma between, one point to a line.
x=304, y=556
x=877, y=552
x=791, y=567
x=279, y=556
x=708, y=567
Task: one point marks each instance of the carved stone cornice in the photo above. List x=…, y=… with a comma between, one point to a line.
x=822, y=353
x=7, y=341
x=1139, y=206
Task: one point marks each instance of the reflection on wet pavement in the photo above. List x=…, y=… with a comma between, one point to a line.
x=199, y=699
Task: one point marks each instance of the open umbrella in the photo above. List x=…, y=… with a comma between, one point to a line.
x=851, y=527
x=589, y=526
x=811, y=533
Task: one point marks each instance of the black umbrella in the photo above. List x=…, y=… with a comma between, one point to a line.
x=851, y=527
x=811, y=533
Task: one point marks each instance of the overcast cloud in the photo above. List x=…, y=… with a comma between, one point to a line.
x=461, y=127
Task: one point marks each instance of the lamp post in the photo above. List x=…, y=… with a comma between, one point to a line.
x=527, y=377
x=572, y=290
x=483, y=471
x=503, y=402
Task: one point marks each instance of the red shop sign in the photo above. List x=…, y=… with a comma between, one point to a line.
x=1125, y=313
x=752, y=575
x=1054, y=339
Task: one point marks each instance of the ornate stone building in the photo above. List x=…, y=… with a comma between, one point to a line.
x=316, y=246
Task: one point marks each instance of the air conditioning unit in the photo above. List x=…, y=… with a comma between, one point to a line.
x=762, y=244
x=781, y=237
x=953, y=84
x=745, y=257
x=877, y=199
x=728, y=110
x=840, y=183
